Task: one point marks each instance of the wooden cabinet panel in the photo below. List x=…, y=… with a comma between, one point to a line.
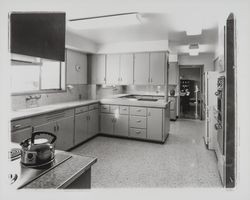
x=107, y=123
x=121, y=125
x=98, y=69
x=113, y=65
x=76, y=63
x=81, y=127
x=138, y=133
x=93, y=123
x=157, y=68
x=154, y=124
x=126, y=69
x=141, y=68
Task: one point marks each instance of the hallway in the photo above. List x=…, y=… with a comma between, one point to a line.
x=183, y=161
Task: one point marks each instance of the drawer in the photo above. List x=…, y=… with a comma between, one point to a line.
x=138, y=133
x=124, y=110
x=114, y=109
x=138, y=122
x=93, y=106
x=140, y=111
x=20, y=124
x=81, y=109
x=105, y=108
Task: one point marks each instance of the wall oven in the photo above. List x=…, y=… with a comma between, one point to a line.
x=220, y=124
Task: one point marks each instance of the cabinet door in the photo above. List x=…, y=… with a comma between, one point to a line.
x=47, y=127
x=107, y=123
x=93, y=123
x=141, y=75
x=81, y=127
x=154, y=124
x=172, y=74
x=157, y=68
x=76, y=63
x=65, y=133
x=98, y=69
x=20, y=135
x=113, y=65
x=121, y=125
x=126, y=69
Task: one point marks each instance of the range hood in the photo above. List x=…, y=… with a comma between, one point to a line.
x=18, y=58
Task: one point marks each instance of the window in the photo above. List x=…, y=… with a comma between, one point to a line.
x=37, y=77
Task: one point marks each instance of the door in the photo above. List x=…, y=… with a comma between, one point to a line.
x=81, y=127
x=154, y=124
x=121, y=125
x=141, y=69
x=107, y=123
x=113, y=65
x=93, y=123
x=76, y=63
x=126, y=69
x=157, y=68
x=98, y=69
x=65, y=133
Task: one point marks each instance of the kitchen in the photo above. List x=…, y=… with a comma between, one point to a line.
x=108, y=99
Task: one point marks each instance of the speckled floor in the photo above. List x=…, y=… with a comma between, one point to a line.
x=183, y=161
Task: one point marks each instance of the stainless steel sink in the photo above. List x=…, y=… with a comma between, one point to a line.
x=146, y=99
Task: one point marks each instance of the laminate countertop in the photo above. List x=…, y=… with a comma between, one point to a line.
x=63, y=174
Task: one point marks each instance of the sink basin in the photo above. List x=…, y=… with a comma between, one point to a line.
x=146, y=99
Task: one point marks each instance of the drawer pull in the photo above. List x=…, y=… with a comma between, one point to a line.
x=17, y=126
x=137, y=132
x=138, y=110
x=124, y=109
x=104, y=107
x=138, y=121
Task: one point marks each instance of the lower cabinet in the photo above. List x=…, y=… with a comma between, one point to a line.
x=20, y=130
x=121, y=125
x=93, y=123
x=81, y=127
x=107, y=123
x=154, y=124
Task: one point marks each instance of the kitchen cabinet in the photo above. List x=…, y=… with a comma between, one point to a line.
x=157, y=68
x=60, y=123
x=119, y=69
x=173, y=73
x=121, y=125
x=20, y=130
x=93, y=123
x=113, y=71
x=107, y=123
x=126, y=69
x=154, y=124
x=141, y=69
x=76, y=64
x=81, y=127
x=98, y=69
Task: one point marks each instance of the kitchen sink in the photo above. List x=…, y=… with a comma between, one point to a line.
x=146, y=99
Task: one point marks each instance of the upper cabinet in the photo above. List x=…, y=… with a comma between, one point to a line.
x=98, y=69
x=76, y=63
x=141, y=71
x=126, y=69
x=150, y=68
x=157, y=68
x=119, y=69
x=173, y=73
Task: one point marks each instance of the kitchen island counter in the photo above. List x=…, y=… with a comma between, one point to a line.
x=74, y=172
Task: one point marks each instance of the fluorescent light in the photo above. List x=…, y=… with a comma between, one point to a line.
x=117, y=20
x=193, y=31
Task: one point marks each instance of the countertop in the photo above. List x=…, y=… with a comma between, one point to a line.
x=63, y=174
x=115, y=100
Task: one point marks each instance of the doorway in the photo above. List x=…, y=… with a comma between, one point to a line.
x=191, y=91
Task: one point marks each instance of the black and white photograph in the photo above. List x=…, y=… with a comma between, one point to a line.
x=124, y=99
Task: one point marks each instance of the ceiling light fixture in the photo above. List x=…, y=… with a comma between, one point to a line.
x=115, y=20
x=194, y=49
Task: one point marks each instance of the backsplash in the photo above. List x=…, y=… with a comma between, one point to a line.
x=77, y=92
x=103, y=92
x=145, y=89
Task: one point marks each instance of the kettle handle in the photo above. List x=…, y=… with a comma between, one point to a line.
x=34, y=134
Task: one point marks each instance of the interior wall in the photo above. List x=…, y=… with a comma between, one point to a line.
x=205, y=59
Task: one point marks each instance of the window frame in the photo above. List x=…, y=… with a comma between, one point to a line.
x=62, y=89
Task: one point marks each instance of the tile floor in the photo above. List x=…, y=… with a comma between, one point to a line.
x=183, y=161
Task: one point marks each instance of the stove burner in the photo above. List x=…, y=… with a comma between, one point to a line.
x=14, y=153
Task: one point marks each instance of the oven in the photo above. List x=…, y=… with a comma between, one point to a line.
x=220, y=124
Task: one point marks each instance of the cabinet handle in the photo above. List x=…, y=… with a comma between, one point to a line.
x=148, y=79
x=137, y=132
x=138, y=110
x=151, y=80
x=89, y=117
x=57, y=127
x=124, y=109
x=17, y=126
x=138, y=121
